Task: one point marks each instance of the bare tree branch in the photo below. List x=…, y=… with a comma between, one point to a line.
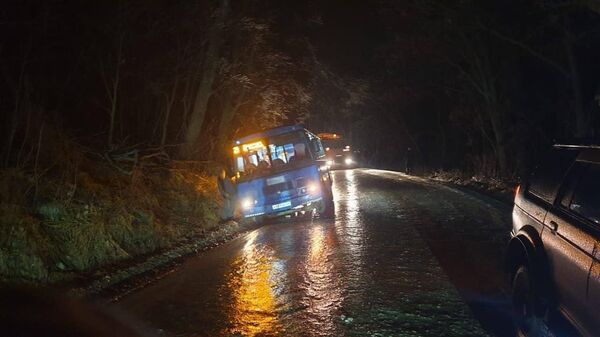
x=529, y=50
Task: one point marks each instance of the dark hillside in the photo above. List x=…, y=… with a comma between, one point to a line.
x=83, y=213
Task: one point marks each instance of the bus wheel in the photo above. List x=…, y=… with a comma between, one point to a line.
x=327, y=208
x=253, y=221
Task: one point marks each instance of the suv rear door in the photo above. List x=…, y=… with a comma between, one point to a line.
x=585, y=204
x=541, y=190
x=570, y=246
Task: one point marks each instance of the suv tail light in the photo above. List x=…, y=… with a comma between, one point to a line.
x=517, y=190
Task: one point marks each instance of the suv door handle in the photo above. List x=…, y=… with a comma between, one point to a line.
x=553, y=227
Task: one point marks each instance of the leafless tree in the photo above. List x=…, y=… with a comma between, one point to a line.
x=111, y=80
x=216, y=37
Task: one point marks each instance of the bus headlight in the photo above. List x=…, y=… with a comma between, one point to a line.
x=247, y=203
x=313, y=188
x=348, y=161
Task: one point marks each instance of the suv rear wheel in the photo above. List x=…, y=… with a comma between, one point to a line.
x=522, y=298
x=526, y=303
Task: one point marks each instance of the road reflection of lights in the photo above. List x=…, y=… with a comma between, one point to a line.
x=323, y=287
x=352, y=197
x=349, y=225
x=316, y=243
x=345, y=194
x=251, y=283
x=249, y=245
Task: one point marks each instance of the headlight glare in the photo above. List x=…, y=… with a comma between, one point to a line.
x=247, y=203
x=313, y=188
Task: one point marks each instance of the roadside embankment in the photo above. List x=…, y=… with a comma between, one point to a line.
x=78, y=221
x=500, y=189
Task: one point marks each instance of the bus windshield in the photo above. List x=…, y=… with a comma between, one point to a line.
x=267, y=156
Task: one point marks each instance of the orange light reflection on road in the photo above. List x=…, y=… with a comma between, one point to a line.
x=253, y=311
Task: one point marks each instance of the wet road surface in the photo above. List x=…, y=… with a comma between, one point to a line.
x=403, y=257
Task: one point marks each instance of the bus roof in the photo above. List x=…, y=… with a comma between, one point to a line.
x=269, y=133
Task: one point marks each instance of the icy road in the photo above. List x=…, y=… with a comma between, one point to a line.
x=403, y=257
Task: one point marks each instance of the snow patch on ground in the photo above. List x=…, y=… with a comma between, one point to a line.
x=501, y=189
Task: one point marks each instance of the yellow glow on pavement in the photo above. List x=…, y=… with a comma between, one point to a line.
x=253, y=311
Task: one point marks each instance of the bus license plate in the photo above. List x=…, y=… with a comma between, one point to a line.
x=282, y=205
x=275, y=180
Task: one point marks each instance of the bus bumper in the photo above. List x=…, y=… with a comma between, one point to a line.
x=304, y=203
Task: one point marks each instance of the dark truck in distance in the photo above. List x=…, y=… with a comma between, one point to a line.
x=338, y=151
x=553, y=258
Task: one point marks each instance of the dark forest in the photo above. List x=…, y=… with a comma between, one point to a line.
x=470, y=85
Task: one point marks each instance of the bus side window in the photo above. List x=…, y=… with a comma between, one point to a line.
x=321, y=149
x=289, y=151
x=317, y=148
x=282, y=152
x=253, y=159
x=239, y=162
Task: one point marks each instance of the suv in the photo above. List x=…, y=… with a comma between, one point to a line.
x=553, y=258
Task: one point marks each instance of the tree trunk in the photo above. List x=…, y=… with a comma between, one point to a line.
x=209, y=72
x=500, y=139
x=485, y=83
x=112, y=91
x=229, y=109
x=169, y=100
x=442, y=137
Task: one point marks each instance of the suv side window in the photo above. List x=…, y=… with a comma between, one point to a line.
x=546, y=179
x=586, y=196
x=570, y=182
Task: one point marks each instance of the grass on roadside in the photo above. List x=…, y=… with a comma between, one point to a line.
x=82, y=214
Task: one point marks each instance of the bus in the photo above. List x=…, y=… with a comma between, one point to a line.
x=281, y=171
